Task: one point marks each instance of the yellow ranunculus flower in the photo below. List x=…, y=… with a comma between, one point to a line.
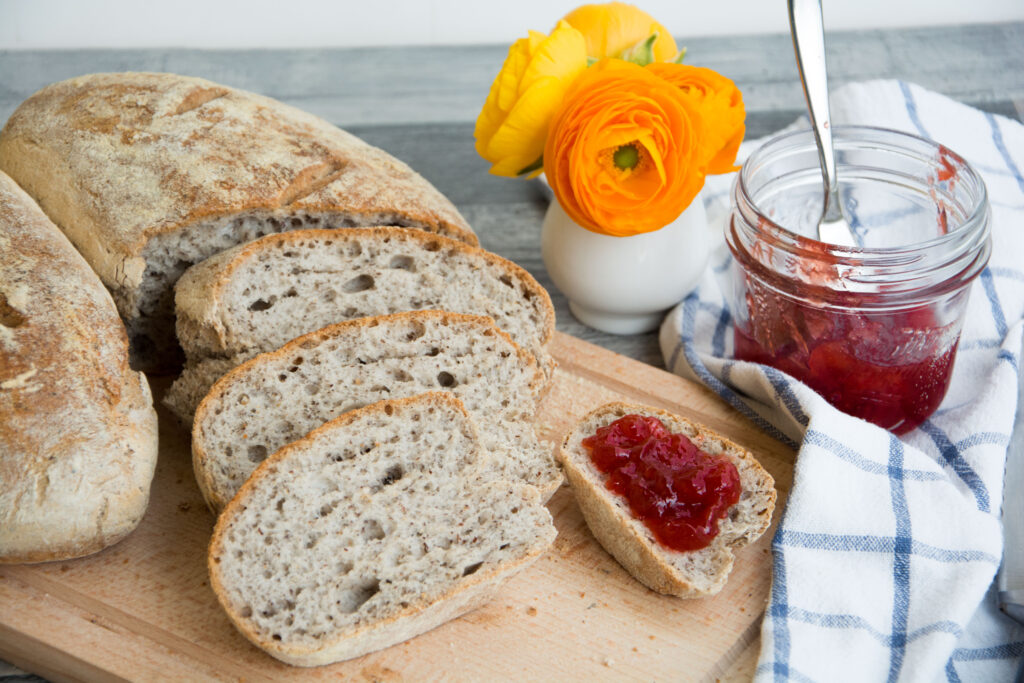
x=512, y=127
x=613, y=27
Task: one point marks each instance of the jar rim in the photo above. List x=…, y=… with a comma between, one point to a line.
x=937, y=264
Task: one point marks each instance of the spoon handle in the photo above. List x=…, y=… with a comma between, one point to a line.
x=809, y=43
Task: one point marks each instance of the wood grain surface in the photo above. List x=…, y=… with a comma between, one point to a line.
x=143, y=609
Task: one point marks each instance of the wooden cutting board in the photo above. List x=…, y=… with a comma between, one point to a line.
x=143, y=609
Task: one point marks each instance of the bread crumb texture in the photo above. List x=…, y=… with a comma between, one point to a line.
x=376, y=527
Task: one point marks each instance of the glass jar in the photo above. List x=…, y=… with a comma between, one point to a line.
x=872, y=328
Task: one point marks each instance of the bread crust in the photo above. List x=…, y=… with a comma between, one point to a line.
x=200, y=298
x=201, y=460
x=176, y=142
x=630, y=541
x=419, y=616
x=78, y=433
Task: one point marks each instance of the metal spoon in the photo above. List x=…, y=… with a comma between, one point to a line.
x=808, y=31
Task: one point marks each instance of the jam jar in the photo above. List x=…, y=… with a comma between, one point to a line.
x=872, y=328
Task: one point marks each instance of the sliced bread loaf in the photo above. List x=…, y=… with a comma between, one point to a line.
x=376, y=527
x=689, y=574
x=148, y=173
x=278, y=397
x=258, y=296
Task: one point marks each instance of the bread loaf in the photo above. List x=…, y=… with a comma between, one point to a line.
x=78, y=433
x=686, y=574
x=280, y=396
x=378, y=526
x=149, y=173
x=257, y=296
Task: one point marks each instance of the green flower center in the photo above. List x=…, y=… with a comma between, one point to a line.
x=626, y=157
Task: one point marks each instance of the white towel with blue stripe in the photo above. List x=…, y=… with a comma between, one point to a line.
x=887, y=547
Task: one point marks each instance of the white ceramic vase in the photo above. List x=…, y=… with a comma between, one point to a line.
x=624, y=285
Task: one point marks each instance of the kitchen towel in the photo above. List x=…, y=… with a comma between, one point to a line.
x=887, y=547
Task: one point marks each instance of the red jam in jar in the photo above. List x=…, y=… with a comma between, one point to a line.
x=873, y=328
x=891, y=369
x=677, y=490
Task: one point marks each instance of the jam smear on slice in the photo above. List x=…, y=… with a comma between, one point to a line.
x=677, y=490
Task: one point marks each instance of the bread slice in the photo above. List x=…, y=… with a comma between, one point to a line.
x=278, y=397
x=257, y=296
x=78, y=433
x=148, y=173
x=685, y=574
x=378, y=526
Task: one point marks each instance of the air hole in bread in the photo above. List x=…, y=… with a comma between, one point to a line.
x=312, y=389
x=359, y=283
x=245, y=612
x=330, y=295
x=380, y=389
x=434, y=351
x=503, y=546
x=446, y=380
x=527, y=294
x=432, y=246
x=257, y=453
x=260, y=305
x=401, y=263
x=344, y=568
x=372, y=530
x=269, y=612
x=296, y=222
x=327, y=508
x=389, y=409
x=276, y=636
x=282, y=377
x=280, y=505
x=417, y=331
x=505, y=280
x=392, y=475
x=290, y=254
x=359, y=595
x=9, y=316
x=471, y=569
x=291, y=293
x=401, y=375
x=354, y=249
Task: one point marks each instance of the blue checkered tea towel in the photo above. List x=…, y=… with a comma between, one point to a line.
x=887, y=547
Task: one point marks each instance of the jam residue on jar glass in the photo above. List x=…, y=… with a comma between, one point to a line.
x=873, y=328
x=677, y=490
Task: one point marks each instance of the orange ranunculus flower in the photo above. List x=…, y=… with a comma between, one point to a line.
x=511, y=127
x=613, y=27
x=722, y=109
x=623, y=152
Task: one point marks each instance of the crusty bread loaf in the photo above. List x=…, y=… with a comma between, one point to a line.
x=258, y=296
x=685, y=574
x=78, y=434
x=278, y=397
x=378, y=526
x=149, y=173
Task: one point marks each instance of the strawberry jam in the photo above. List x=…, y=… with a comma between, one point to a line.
x=677, y=490
x=890, y=368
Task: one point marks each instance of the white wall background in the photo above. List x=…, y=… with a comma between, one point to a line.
x=30, y=24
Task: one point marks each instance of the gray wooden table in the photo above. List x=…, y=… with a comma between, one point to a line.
x=420, y=104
